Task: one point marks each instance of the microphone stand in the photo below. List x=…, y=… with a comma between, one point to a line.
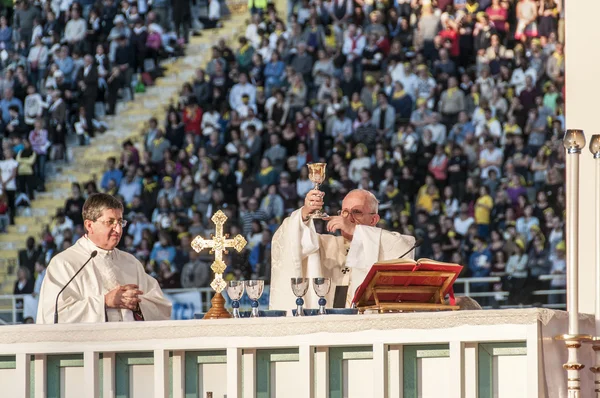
x=418, y=243
x=92, y=255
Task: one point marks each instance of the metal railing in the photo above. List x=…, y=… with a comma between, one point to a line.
x=503, y=295
x=11, y=312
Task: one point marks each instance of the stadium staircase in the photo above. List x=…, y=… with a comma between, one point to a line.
x=88, y=162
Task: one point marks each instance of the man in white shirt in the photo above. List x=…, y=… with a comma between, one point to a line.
x=113, y=287
x=76, y=28
x=62, y=223
x=490, y=158
x=130, y=186
x=490, y=129
x=251, y=119
x=410, y=81
x=425, y=87
x=252, y=31
x=519, y=76
x=8, y=180
x=462, y=222
x=40, y=268
x=354, y=43
x=243, y=87
x=438, y=130
x=214, y=15
x=341, y=128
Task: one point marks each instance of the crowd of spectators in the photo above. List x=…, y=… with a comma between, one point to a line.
x=63, y=67
x=450, y=112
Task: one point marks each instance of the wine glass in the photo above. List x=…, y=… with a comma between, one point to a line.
x=235, y=291
x=299, y=287
x=322, y=286
x=316, y=173
x=254, y=289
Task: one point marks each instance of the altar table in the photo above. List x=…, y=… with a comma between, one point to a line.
x=495, y=353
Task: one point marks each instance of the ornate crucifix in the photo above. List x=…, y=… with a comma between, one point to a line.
x=218, y=245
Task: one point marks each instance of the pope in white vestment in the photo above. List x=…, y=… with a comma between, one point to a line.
x=299, y=251
x=112, y=287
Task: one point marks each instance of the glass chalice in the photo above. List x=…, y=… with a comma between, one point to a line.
x=235, y=291
x=254, y=289
x=316, y=173
x=322, y=286
x=299, y=287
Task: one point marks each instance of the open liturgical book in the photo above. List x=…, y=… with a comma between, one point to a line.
x=408, y=285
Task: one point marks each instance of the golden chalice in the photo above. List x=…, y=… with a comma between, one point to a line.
x=316, y=173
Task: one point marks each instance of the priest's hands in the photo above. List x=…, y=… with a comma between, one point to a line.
x=123, y=297
x=312, y=202
x=344, y=224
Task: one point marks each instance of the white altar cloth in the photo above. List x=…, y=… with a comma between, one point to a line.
x=535, y=327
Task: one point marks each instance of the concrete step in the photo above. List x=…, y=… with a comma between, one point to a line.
x=61, y=194
x=46, y=206
x=32, y=220
x=57, y=185
x=24, y=229
x=9, y=237
x=10, y=254
x=14, y=244
x=6, y=263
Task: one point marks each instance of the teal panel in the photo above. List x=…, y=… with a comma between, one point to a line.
x=411, y=354
x=122, y=364
x=8, y=362
x=485, y=363
x=170, y=374
x=53, y=365
x=264, y=358
x=242, y=369
x=337, y=355
x=101, y=374
x=192, y=361
x=32, y=376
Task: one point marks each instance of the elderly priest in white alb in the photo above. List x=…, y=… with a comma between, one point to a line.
x=299, y=251
x=112, y=287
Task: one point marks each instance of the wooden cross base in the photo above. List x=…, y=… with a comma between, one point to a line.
x=217, y=310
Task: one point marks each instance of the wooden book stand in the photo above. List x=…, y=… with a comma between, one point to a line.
x=407, y=285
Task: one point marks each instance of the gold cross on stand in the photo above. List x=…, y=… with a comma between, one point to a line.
x=218, y=245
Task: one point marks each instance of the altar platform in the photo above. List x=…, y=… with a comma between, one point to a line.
x=495, y=353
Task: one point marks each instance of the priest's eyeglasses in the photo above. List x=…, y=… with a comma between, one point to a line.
x=113, y=223
x=355, y=213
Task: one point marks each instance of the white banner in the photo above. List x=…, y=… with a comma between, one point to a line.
x=30, y=306
x=185, y=305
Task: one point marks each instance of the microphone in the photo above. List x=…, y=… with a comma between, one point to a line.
x=92, y=255
x=418, y=243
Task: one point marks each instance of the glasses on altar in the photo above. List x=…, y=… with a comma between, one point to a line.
x=321, y=287
x=113, y=223
x=254, y=289
x=235, y=291
x=355, y=213
x=299, y=288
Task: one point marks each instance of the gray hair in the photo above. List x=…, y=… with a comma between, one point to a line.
x=372, y=201
x=97, y=203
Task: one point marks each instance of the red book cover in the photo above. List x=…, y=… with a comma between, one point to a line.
x=406, y=273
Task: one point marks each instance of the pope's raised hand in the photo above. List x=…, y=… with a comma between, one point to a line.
x=312, y=202
x=344, y=224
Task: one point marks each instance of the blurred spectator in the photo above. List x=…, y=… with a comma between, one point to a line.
x=30, y=255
